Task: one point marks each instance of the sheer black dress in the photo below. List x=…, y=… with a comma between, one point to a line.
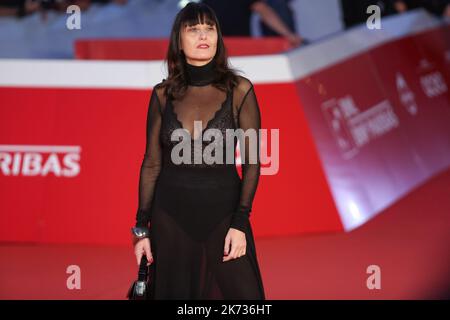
x=189, y=208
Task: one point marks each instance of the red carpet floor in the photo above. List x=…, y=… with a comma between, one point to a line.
x=409, y=242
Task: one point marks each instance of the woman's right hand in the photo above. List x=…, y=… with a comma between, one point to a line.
x=142, y=247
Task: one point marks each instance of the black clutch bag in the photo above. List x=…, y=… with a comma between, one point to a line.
x=140, y=289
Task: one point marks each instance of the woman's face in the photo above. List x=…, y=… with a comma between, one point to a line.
x=199, y=43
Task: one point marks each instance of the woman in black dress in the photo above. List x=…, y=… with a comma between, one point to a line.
x=193, y=217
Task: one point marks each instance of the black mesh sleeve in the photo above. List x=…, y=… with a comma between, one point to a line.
x=249, y=117
x=151, y=164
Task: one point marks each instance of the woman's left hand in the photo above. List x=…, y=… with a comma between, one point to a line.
x=235, y=238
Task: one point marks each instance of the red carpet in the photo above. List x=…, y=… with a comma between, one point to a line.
x=408, y=241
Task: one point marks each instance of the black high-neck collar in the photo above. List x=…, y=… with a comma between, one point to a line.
x=200, y=75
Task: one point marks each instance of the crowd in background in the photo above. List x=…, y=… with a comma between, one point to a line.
x=276, y=16
x=21, y=8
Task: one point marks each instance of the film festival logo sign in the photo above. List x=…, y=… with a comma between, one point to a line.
x=354, y=128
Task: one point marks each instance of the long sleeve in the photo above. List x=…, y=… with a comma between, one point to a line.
x=249, y=117
x=151, y=164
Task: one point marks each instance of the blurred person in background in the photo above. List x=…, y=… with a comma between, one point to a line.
x=235, y=16
x=282, y=9
x=401, y=6
x=85, y=4
x=436, y=7
x=19, y=8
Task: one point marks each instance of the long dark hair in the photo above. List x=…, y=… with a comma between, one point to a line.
x=176, y=83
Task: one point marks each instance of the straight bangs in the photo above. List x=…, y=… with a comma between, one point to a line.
x=198, y=15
